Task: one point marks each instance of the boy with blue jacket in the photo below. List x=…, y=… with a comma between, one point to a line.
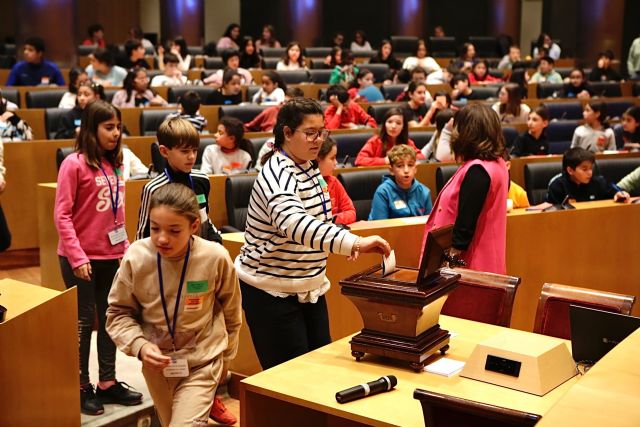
x=400, y=194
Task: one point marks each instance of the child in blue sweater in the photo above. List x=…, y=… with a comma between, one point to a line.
x=400, y=194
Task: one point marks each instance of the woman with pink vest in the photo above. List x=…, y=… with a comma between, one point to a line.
x=474, y=199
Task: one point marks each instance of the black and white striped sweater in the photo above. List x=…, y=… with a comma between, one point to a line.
x=289, y=230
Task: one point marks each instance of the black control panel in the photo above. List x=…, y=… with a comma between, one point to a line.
x=503, y=366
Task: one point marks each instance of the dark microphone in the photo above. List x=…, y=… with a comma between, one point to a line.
x=344, y=161
x=367, y=389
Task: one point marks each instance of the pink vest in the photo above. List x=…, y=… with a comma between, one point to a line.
x=488, y=246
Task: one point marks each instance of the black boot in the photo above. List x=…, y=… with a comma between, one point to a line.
x=89, y=403
x=119, y=394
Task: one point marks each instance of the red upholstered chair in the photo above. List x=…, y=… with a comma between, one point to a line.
x=552, y=315
x=483, y=297
x=447, y=411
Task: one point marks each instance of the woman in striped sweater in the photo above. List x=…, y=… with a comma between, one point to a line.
x=289, y=233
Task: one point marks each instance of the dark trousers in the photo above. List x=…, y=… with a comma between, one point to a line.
x=93, y=295
x=5, y=234
x=283, y=328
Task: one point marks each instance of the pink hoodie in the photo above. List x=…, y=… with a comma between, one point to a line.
x=83, y=214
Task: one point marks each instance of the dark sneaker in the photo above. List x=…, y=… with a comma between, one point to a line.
x=220, y=414
x=120, y=394
x=89, y=403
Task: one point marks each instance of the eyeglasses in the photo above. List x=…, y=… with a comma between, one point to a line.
x=312, y=135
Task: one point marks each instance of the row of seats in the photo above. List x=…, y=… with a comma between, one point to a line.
x=538, y=175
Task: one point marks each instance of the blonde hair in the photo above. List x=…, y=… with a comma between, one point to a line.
x=179, y=198
x=177, y=132
x=400, y=151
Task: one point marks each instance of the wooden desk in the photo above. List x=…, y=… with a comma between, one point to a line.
x=608, y=395
x=302, y=391
x=582, y=247
x=39, y=363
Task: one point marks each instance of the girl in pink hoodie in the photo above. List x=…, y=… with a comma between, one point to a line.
x=89, y=216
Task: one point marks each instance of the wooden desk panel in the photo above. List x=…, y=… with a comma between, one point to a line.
x=303, y=389
x=607, y=395
x=29, y=163
x=560, y=247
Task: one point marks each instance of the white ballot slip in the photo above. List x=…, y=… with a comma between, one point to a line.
x=445, y=367
x=389, y=263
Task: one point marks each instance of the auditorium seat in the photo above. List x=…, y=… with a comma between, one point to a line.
x=294, y=76
x=108, y=94
x=251, y=91
x=176, y=92
x=86, y=50
x=213, y=63
x=380, y=71
x=150, y=120
x=486, y=92
x=636, y=88
x=270, y=63
x=614, y=170
x=195, y=50
x=377, y=111
x=570, y=110
x=443, y=175
x=237, y=191
x=608, y=89
x=62, y=153
x=273, y=52
x=257, y=146
x=615, y=109
x=244, y=113
x=320, y=76
x=537, y=177
x=486, y=46
x=404, y=45
x=350, y=144
x=159, y=162
x=510, y=134
x=7, y=62
x=317, y=51
x=441, y=410
x=549, y=90
x=204, y=143
x=482, y=297
x=420, y=138
x=559, y=134
x=361, y=186
x=44, y=98
x=12, y=95
x=565, y=72
x=442, y=47
x=392, y=91
x=52, y=117
x=552, y=314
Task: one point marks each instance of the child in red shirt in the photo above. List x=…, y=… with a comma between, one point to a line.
x=342, y=208
x=344, y=113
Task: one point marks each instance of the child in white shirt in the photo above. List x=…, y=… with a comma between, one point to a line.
x=231, y=153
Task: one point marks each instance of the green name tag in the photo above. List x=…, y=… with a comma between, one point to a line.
x=197, y=287
x=201, y=198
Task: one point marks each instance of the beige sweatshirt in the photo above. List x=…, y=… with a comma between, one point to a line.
x=209, y=316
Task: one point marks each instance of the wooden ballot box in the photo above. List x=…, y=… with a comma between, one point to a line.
x=401, y=310
x=38, y=356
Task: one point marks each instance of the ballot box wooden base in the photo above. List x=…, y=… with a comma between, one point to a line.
x=400, y=316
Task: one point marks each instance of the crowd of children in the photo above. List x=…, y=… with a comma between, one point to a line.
x=185, y=331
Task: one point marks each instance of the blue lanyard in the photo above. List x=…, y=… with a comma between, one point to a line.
x=324, y=202
x=114, y=202
x=172, y=329
x=168, y=174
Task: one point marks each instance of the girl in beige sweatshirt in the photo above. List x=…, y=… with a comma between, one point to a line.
x=175, y=304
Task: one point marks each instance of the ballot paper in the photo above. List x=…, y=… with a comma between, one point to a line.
x=445, y=366
x=389, y=263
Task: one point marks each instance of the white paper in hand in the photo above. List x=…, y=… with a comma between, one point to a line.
x=389, y=263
